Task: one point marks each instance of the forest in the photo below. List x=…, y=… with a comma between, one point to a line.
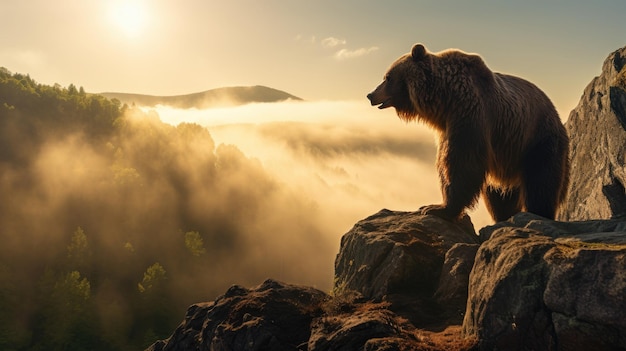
x=112, y=222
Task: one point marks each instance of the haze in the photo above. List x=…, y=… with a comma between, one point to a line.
x=348, y=158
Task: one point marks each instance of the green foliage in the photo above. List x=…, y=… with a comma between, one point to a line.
x=128, y=246
x=194, y=243
x=78, y=253
x=65, y=321
x=74, y=291
x=125, y=176
x=154, y=292
x=152, y=278
x=34, y=111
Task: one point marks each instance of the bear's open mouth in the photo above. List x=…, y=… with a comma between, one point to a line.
x=385, y=104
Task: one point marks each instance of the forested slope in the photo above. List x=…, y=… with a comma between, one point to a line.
x=113, y=222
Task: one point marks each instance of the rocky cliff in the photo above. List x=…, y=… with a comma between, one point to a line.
x=597, y=131
x=409, y=281
x=544, y=285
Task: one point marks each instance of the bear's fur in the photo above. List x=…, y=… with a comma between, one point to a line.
x=500, y=135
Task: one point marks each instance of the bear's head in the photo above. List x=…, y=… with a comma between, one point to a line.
x=406, y=83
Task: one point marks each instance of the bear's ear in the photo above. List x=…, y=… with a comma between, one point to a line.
x=418, y=52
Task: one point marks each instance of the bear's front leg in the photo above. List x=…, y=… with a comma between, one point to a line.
x=462, y=163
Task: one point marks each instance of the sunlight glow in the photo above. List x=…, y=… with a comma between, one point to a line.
x=129, y=16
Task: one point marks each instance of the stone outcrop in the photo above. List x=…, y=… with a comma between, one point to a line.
x=399, y=257
x=272, y=316
x=597, y=131
x=538, y=284
x=391, y=293
x=535, y=284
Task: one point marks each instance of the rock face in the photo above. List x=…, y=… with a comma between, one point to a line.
x=389, y=281
x=403, y=282
x=395, y=255
x=597, y=131
x=543, y=285
x=272, y=316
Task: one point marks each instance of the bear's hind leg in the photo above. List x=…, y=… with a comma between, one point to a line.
x=502, y=204
x=544, y=168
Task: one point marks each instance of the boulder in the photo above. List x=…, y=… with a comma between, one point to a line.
x=597, y=130
x=272, y=316
x=544, y=285
x=399, y=257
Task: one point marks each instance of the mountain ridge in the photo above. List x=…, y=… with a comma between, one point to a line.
x=218, y=97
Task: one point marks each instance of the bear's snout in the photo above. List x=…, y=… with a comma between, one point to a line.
x=370, y=96
x=378, y=98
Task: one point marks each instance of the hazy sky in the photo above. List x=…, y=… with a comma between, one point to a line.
x=318, y=50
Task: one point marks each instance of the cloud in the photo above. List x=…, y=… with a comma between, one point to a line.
x=335, y=43
x=345, y=54
x=332, y=42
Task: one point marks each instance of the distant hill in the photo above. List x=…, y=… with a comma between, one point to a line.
x=228, y=96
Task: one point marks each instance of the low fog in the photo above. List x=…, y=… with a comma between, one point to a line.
x=346, y=157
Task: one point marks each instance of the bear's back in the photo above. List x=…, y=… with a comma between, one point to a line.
x=518, y=114
x=521, y=105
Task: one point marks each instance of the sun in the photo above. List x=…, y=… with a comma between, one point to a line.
x=129, y=16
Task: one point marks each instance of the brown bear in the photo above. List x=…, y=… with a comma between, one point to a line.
x=499, y=135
